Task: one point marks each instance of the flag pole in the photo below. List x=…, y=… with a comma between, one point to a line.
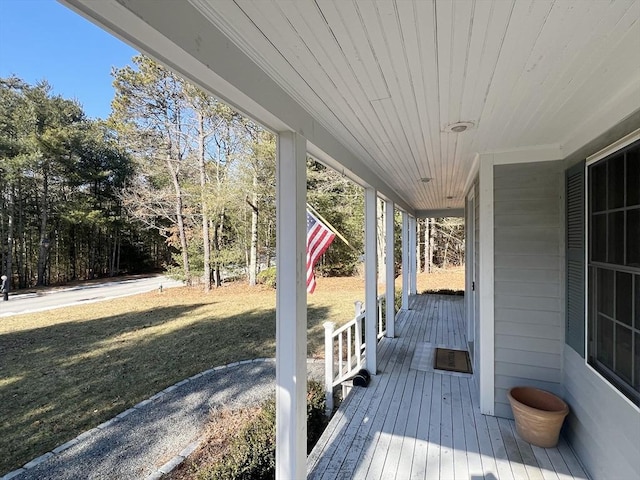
x=331, y=227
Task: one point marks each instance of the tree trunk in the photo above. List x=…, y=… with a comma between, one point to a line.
x=9, y=271
x=426, y=245
x=92, y=257
x=217, y=275
x=267, y=244
x=253, y=254
x=3, y=229
x=44, y=218
x=432, y=229
x=206, y=244
x=180, y=221
x=118, y=255
x=112, y=266
x=73, y=258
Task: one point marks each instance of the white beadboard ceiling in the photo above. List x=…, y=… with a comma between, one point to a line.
x=386, y=77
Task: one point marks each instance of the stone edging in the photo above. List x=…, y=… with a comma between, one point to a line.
x=171, y=464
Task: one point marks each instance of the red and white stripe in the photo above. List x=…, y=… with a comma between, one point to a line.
x=319, y=237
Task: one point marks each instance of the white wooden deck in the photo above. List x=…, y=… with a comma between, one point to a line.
x=414, y=422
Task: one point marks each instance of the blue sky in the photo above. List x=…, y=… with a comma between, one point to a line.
x=42, y=39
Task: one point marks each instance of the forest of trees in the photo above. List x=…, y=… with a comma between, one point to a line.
x=173, y=180
x=60, y=178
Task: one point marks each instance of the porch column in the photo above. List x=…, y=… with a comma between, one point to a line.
x=371, y=279
x=405, y=261
x=486, y=274
x=390, y=313
x=413, y=264
x=291, y=307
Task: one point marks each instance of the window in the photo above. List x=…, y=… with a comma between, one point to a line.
x=614, y=269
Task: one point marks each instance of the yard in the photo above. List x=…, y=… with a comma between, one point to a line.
x=65, y=371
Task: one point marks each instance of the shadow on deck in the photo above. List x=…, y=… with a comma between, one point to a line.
x=416, y=422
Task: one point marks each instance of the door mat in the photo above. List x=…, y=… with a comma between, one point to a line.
x=452, y=360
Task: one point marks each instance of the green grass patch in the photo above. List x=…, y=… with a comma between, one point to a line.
x=65, y=371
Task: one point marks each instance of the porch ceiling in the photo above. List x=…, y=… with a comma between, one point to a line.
x=385, y=78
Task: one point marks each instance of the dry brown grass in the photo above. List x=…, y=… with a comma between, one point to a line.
x=442, y=279
x=223, y=425
x=65, y=371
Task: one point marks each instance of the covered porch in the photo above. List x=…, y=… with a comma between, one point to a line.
x=439, y=108
x=416, y=422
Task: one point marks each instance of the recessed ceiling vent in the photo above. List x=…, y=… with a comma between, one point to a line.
x=458, y=127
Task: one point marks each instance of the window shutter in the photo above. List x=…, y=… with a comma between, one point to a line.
x=576, y=318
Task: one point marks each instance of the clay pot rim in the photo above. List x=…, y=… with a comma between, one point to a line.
x=562, y=411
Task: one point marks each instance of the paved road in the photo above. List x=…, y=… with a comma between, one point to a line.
x=56, y=298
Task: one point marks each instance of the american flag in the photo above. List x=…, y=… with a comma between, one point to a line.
x=319, y=237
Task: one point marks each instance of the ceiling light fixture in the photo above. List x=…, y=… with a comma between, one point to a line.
x=425, y=179
x=458, y=127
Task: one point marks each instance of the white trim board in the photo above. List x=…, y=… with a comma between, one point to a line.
x=405, y=261
x=371, y=278
x=544, y=153
x=619, y=108
x=596, y=157
x=389, y=249
x=473, y=174
x=610, y=386
x=613, y=148
x=486, y=340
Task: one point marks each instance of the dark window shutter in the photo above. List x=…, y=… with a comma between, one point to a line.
x=576, y=319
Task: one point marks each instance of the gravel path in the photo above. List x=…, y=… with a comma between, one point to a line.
x=157, y=433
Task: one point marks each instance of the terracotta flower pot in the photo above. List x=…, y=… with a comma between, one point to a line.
x=539, y=415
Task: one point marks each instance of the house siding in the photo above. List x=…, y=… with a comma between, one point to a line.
x=603, y=428
x=528, y=301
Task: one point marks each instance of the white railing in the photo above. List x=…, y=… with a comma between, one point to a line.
x=345, y=350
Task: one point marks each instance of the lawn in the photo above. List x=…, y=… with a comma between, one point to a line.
x=65, y=371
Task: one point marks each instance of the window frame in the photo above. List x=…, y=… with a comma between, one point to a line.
x=621, y=387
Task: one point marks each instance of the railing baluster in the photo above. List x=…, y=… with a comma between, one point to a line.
x=379, y=305
x=354, y=346
x=340, y=354
x=358, y=327
x=329, y=327
x=349, y=358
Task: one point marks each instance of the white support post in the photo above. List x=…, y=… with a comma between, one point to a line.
x=390, y=270
x=405, y=261
x=371, y=280
x=486, y=340
x=329, y=327
x=291, y=307
x=413, y=264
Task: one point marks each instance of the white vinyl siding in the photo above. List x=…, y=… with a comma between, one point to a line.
x=603, y=427
x=529, y=307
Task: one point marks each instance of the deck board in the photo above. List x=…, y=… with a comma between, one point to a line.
x=426, y=424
